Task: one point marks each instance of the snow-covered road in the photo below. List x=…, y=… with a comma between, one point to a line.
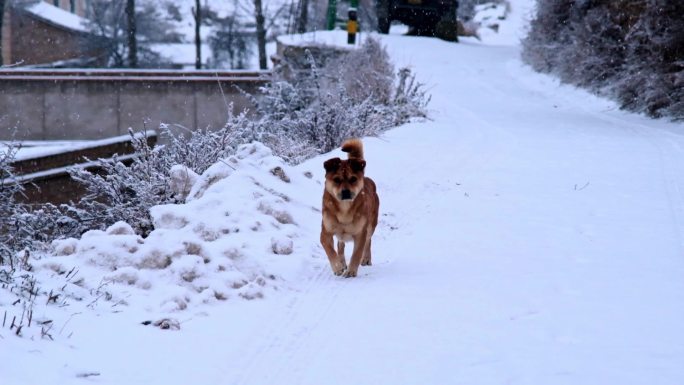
x=530, y=233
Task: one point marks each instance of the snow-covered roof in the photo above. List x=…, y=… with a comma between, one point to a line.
x=57, y=16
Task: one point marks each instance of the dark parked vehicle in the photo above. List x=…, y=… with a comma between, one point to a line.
x=422, y=15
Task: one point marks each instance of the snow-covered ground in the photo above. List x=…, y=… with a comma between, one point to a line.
x=530, y=233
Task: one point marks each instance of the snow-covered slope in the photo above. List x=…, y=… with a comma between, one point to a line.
x=530, y=234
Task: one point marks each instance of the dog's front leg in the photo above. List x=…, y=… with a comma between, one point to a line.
x=336, y=263
x=357, y=254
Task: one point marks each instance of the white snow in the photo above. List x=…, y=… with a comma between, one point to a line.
x=336, y=38
x=31, y=149
x=36, y=149
x=182, y=53
x=530, y=233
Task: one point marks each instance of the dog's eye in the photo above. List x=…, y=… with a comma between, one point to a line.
x=337, y=180
x=352, y=180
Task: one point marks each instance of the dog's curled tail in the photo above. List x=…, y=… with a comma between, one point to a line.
x=354, y=147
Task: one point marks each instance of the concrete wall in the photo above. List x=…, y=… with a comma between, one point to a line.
x=95, y=104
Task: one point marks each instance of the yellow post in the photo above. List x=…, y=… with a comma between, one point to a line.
x=352, y=26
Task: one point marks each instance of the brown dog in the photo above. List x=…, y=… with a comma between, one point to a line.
x=350, y=209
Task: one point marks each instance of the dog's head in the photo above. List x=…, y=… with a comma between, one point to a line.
x=344, y=178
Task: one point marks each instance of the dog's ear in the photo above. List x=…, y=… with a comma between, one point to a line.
x=357, y=165
x=332, y=165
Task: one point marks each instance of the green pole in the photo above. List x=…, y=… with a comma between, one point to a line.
x=332, y=14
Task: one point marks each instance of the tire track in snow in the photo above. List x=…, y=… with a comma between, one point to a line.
x=667, y=144
x=286, y=336
x=667, y=149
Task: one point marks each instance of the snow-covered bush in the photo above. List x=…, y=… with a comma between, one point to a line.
x=235, y=237
x=626, y=49
x=29, y=227
x=9, y=188
x=121, y=192
x=21, y=231
x=32, y=226
x=312, y=110
x=653, y=80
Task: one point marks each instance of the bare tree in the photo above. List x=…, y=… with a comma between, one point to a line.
x=197, y=15
x=303, y=17
x=106, y=27
x=232, y=43
x=2, y=16
x=123, y=39
x=132, y=38
x=261, y=33
x=266, y=23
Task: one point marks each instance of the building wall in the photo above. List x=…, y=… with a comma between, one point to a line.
x=33, y=41
x=80, y=6
x=6, y=31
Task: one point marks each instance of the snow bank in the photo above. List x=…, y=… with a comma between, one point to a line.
x=237, y=237
x=337, y=38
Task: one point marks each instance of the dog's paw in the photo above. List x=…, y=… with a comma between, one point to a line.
x=339, y=268
x=349, y=274
x=366, y=262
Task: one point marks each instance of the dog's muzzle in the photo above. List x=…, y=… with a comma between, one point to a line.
x=346, y=194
